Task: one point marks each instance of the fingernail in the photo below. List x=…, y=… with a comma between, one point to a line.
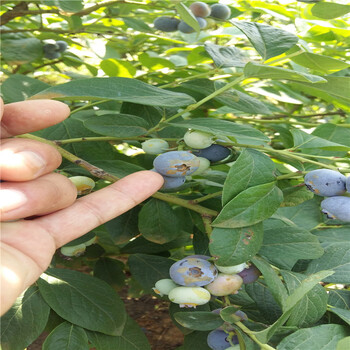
x=11, y=199
x=33, y=160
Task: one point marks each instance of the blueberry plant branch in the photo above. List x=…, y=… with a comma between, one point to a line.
x=100, y=173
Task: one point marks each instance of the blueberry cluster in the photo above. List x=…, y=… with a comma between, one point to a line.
x=201, y=11
x=174, y=166
x=193, y=280
x=333, y=185
x=54, y=50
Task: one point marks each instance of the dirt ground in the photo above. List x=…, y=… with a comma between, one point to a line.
x=152, y=316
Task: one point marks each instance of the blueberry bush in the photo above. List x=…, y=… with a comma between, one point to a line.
x=239, y=104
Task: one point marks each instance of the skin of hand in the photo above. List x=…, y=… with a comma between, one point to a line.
x=30, y=188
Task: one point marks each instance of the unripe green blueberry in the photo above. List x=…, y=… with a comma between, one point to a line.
x=189, y=296
x=204, y=164
x=220, y=11
x=198, y=139
x=75, y=250
x=225, y=285
x=90, y=241
x=155, y=146
x=200, y=9
x=231, y=270
x=83, y=184
x=164, y=286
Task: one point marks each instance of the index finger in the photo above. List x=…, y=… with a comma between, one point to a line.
x=28, y=116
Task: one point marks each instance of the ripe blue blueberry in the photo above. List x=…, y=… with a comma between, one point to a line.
x=193, y=272
x=185, y=28
x=62, y=45
x=52, y=55
x=200, y=9
x=166, y=23
x=250, y=274
x=220, y=11
x=218, y=339
x=337, y=207
x=325, y=182
x=173, y=182
x=176, y=163
x=214, y=153
x=348, y=184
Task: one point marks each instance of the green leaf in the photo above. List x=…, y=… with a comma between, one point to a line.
x=324, y=337
x=195, y=340
x=329, y=10
x=242, y=133
x=311, y=307
x=187, y=16
x=228, y=314
x=343, y=314
x=152, y=115
x=226, y=56
x=110, y=271
x=321, y=63
x=137, y=24
x=158, y=222
x=295, y=195
x=251, y=168
x=336, y=89
x=21, y=51
x=115, y=88
x=267, y=40
x=19, y=87
x=234, y=99
x=199, y=320
x=148, y=269
x=337, y=258
x=76, y=297
x=343, y=344
x=27, y=317
x=284, y=245
x=132, y=338
x=329, y=236
x=118, y=68
x=255, y=70
x=233, y=246
x=117, y=125
x=66, y=336
x=66, y=5
x=251, y=206
x=305, y=286
x=273, y=282
x=304, y=140
x=333, y=132
x=339, y=298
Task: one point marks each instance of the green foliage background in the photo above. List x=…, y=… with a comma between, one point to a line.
x=273, y=84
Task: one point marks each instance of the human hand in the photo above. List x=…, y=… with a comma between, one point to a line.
x=32, y=189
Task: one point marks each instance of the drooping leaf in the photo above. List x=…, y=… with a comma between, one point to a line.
x=115, y=88
x=256, y=70
x=76, y=297
x=28, y=317
x=226, y=56
x=233, y=246
x=267, y=40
